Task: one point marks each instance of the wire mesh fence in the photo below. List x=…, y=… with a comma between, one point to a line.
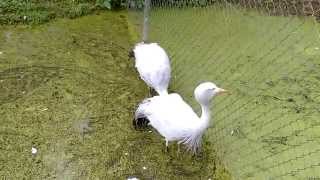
x=267, y=53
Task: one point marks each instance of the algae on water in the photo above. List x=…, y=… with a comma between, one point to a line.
x=69, y=90
x=268, y=127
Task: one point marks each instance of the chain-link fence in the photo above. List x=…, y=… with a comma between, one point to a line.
x=267, y=53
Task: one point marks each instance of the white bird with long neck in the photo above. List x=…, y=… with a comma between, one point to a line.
x=175, y=120
x=153, y=65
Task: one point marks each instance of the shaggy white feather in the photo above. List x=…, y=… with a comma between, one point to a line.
x=153, y=65
x=175, y=120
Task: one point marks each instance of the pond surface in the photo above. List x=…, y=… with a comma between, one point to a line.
x=268, y=126
x=68, y=91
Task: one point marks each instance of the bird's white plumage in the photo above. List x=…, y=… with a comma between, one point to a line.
x=153, y=65
x=175, y=120
x=162, y=113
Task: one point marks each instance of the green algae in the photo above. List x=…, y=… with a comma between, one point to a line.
x=268, y=127
x=69, y=90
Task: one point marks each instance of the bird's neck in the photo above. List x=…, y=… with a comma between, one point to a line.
x=163, y=92
x=205, y=116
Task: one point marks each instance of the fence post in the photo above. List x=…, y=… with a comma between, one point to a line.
x=145, y=32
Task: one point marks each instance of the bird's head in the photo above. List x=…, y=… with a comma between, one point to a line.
x=204, y=92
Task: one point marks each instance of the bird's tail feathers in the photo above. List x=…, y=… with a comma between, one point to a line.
x=140, y=118
x=193, y=142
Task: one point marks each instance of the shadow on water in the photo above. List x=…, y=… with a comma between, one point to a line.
x=69, y=90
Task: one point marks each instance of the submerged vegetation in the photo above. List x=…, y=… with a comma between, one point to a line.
x=267, y=128
x=69, y=91
x=67, y=96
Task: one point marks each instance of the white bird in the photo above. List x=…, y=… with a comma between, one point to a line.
x=153, y=65
x=175, y=120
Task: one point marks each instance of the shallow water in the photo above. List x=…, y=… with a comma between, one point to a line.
x=268, y=126
x=69, y=90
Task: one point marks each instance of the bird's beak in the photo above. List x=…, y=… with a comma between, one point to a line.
x=222, y=91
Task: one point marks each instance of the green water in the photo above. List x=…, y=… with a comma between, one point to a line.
x=68, y=89
x=268, y=127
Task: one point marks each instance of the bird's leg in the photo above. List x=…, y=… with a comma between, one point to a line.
x=178, y=150
x=167, y=146
x=150, y=92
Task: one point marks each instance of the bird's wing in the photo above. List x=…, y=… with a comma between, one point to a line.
x=153, y=65
x=170, y=115
x=180, y=110
x=143, y=108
